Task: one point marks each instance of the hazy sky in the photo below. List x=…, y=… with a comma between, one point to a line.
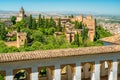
x=97, y=6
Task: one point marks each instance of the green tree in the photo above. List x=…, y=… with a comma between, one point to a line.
x=77, y=40
x=18, y=29
x=101, y=33
x=30, y=22
x=59, y=27
x=13, y=19
x=71, y=16
x=84, y=35
x=2, y=32
x=43, y=22
x=39, y=23
x=38, y=36
x=37, y=45
x=52, y=23
x=13, y=49
x=34, y=25
x=1, y=77
x=26, y=43
x=78, y=25
x=3, y=47
x=51, y=31
x=46, y=23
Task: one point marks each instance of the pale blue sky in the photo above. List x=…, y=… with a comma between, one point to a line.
x=97, y=6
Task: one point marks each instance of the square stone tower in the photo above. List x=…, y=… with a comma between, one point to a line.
x=89, y=22
x=21, y=37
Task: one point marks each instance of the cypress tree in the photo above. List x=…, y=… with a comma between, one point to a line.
x=2, y=32
x=34, y=25
x=84, y=35
x=59, y=27
x=30, y=22
x=52, y=23
x=39, y=21
x=18, y=29
x=77, y=40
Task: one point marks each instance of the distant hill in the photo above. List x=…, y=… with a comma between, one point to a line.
x=8, y=14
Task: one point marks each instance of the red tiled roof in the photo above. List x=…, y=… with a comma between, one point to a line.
x=47, y=54
x=112, y=39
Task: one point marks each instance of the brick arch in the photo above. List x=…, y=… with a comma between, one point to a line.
x=105, y=68
x=3, y=73
x=87, y=70
x=27, y=70
x=67, y=71
x=49, y=75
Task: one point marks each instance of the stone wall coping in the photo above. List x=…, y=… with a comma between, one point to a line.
x=58, y=53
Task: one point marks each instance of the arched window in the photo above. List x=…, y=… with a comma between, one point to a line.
x=21, y=75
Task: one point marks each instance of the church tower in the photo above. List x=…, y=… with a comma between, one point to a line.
x=21, y=12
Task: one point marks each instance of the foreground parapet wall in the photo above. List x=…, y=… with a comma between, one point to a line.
x=64, y=64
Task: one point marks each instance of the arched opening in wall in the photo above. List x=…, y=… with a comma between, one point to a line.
x=46, y=73
x=2, y=75
x=105, y=70
x=22, y=74
x=68, y=72
x=87, y=71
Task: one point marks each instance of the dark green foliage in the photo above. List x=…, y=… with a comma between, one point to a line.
x=70, y=37
x=18, y=29
x=71, y=16
x=101, y=33
x=59, y=26
x=77, y=40
x=13, y=19
x=84, y=35
x=1, y=77
x=2, y=31
x=37, y=45
x=30, y=22
x=43, y=72
x=52, y=23
x=20, y=75
x=39, y=23
x=26, y=43
x=78, y=25
x=46, y=23
x=13, y=49
x=34, y=25
x=3, y=47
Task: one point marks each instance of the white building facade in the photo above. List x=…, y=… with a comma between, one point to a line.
x=94, y=63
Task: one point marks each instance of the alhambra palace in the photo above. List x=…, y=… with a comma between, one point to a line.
x=70, y=30
x=89, y=63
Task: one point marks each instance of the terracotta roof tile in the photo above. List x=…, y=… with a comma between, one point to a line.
x=47, y=54
x=112, y=39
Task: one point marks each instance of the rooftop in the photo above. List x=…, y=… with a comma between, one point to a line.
x=112, y=39
x=48, y=54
